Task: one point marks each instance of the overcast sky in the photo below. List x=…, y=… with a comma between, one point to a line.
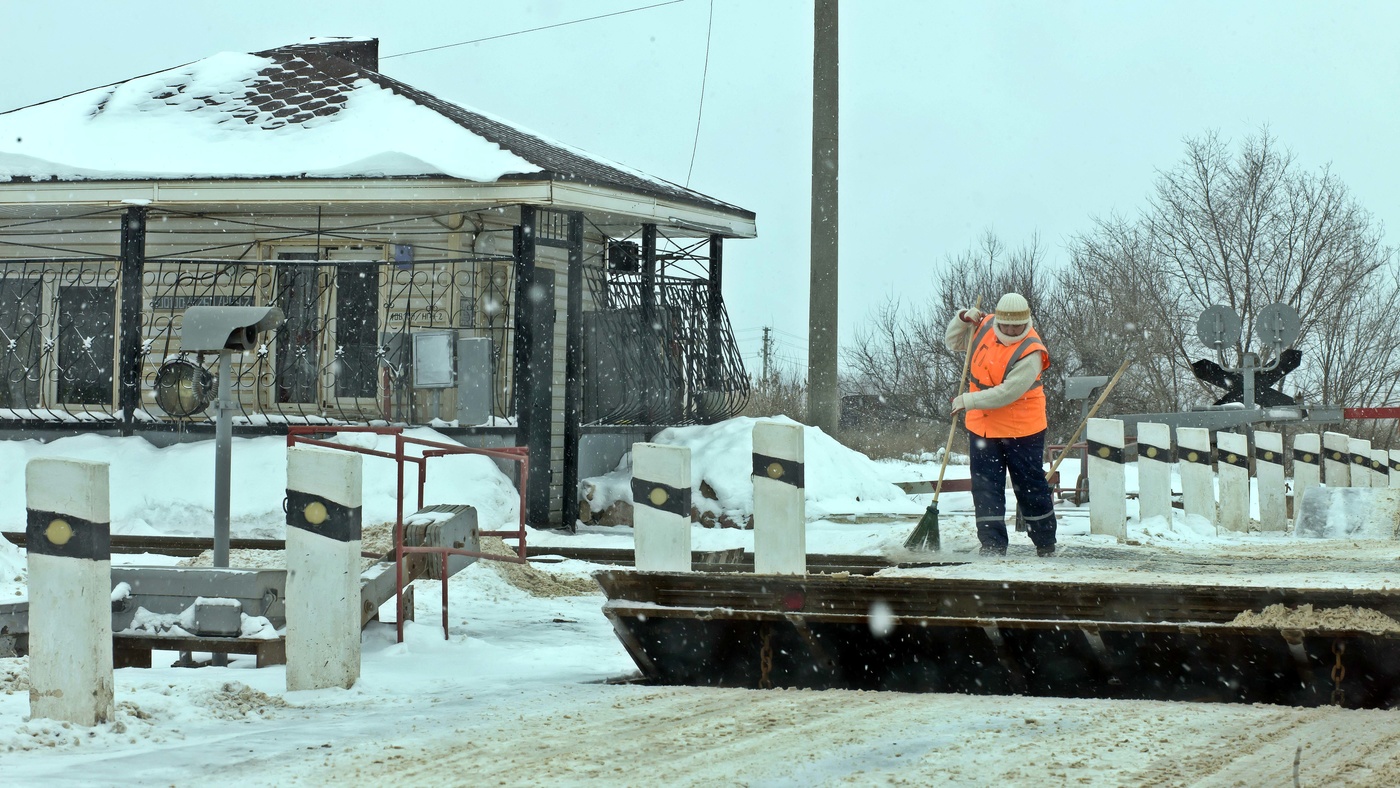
x=955, y=116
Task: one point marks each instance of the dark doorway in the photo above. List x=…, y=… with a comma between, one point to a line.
x=299, y=289
x=86, y=344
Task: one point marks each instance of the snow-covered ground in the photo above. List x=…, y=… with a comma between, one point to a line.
x=517, y=695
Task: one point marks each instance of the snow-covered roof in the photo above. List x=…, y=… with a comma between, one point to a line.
x=313, y=109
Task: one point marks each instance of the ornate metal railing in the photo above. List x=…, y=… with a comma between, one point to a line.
x=659, y=359
x=341, y=355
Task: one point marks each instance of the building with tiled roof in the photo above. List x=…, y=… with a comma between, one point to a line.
x=369, y=212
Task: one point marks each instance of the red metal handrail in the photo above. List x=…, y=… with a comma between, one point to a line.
x=518, y=454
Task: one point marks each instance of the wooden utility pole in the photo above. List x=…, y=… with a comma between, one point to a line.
x=823, y=400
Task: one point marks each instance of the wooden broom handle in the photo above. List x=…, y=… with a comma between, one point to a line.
x=1095, y=409
x=953, y=421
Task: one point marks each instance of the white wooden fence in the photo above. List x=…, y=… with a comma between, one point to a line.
x=1215, y=480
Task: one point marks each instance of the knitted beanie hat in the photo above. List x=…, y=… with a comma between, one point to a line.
x=1012, y=310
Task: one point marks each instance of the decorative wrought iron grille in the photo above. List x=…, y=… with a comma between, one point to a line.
x=661, y=364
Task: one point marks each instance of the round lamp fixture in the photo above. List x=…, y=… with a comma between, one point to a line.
x=183, y=388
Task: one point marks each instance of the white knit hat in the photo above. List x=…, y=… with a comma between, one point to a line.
x=1013, y=310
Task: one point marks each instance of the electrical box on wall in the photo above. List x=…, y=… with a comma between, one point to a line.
x=433, y=361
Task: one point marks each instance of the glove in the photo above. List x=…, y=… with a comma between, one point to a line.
x=973, y=316
x=958, y=405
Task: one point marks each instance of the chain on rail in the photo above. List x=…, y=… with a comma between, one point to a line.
x=765, y=659
x=1338, y=673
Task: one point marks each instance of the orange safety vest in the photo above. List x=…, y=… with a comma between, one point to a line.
x=991, y=361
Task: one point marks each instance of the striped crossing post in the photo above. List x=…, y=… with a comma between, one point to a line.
x=1108, y=498
x=1154, y=449
x=1380, y=468
x=1193, y=463
x=323, y=568
x=661, y=507
x=1268, y=470
x=1360, y=462
x=1336, y=460
x=1307, y=466
x=70, y=590
x=1232, y=460
x=1395, y=467
x=779, y=500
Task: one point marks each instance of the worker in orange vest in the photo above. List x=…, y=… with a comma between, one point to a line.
x=1005, y=418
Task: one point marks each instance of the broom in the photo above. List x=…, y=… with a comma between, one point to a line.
x=925, y=536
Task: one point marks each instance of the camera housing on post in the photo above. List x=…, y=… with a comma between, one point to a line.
x=215, y=329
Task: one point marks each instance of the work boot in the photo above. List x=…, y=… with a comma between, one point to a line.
x=991, y=550
x=1046, y=551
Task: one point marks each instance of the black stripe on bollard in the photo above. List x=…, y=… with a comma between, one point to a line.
x=1395, y=466
x=662, y=497
x=1155, y=453
x=1361, y=459
x=778, y=469
x=1231, y=458
x=1268, y=455
x=1305, y=456
x=1377, y=465
x=1337, y=456
x=322, y=516
x=1198, y=456
x=1103, y=451
x=51, y=533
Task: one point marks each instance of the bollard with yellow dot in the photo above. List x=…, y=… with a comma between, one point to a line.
x=323, y=567
x=661, y=511
x=70, y=589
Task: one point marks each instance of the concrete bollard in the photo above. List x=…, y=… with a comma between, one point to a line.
x=1395, y=467
x=1360, y=462
x=1232, y=457
x=1380, y=468
x=1193, y=463
x=1108, y=498
x=323, y=568
x=779, y=499
x=70, y=590
x=1154, y=447
x=661, y=507
x=1336, y=460
x=1268, y=470
x=1307, y=466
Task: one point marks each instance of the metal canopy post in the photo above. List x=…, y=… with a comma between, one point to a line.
x=573, y=370
x=716, y=312
x=133, y=254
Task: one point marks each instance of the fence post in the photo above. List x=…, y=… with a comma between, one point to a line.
x=1307, y=466
x=1154, y=448
x=1193, y=462
x=323, y=568
x=1232, y=457
x=1108, y=499
x=661, y=507
x=779, y=500
x=1380, y=468
x=1336, y=460
x=70, y=590
x=1360, y=462
x=1268, y=469
x=131, y=277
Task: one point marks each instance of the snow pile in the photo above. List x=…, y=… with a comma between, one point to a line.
x=839, y=480
x=171, y=490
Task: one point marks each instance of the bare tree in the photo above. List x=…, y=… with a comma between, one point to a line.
x=1247, y=229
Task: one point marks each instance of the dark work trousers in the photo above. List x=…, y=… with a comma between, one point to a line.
x=991, y=459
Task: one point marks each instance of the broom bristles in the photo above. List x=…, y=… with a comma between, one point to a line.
x=925, y=537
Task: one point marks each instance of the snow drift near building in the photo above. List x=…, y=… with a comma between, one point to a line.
x=839, y=480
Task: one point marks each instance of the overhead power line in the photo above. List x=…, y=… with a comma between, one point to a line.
x=533, y=30
x=704, y=78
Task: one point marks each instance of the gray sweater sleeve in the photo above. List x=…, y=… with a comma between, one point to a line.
x=1018, y=381
x=955, y=338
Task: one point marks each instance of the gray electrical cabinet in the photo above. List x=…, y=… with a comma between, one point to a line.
x=475, y=364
